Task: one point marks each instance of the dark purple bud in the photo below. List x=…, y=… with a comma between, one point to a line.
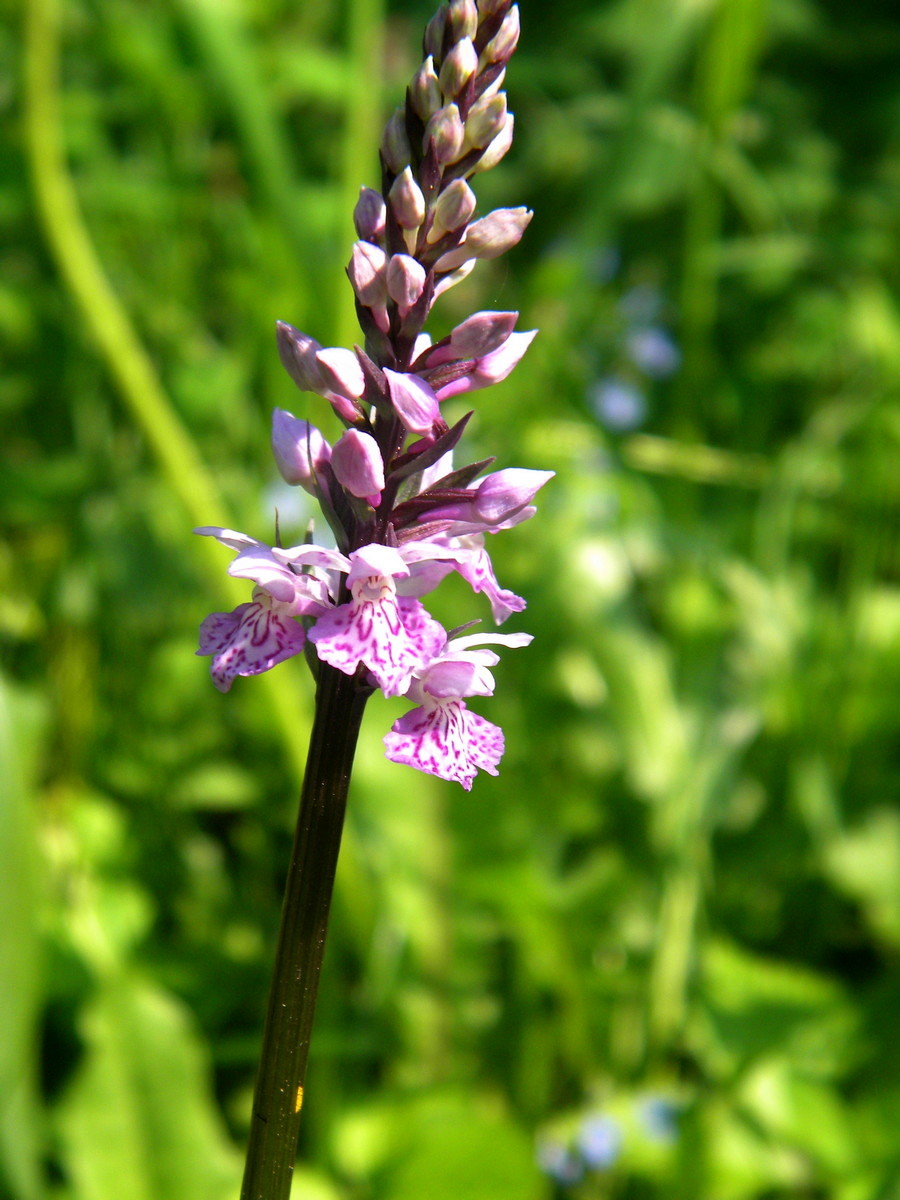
x=369, y=215
x=298, y=356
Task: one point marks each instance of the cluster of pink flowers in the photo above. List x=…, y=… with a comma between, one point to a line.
x=402, y=515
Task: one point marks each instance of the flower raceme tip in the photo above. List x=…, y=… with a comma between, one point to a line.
x=404, y=514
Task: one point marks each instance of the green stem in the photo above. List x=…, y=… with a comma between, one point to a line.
x=278, y=1097
x=117, y=339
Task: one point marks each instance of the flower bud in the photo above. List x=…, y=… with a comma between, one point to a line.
x=414, y=401
x=395, y=148
x=462, y=18
x=367, y=274
x=357, y=465
x=490, y=237
x=498, y=147
x=446, y=130
x=446, y=282
x=433, y=40
x=405, y=281
x=458, y=68
x=452, y=209
x=501, y=495
x=486, y=119
x=499, y=49
x=493, y=367
x=369, y=214
x=487, y=8
x=407, y=201
x=297, y=352
x=425, y=91
x=342, y=372
x=300, y=450
x=482, y=333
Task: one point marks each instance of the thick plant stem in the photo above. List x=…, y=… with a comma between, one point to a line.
x=278, y=1098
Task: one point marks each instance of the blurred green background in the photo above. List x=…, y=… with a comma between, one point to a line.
x=660, y=955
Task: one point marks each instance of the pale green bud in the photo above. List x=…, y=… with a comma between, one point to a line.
x=458, y=68
x=462, y=18
x=395, y=148
x=407, y=201
x=434, y=32
x=452, y=209
x=486, y=119
x=446, y=130
x=500, y=47
x=498, y=147
x=425, y=91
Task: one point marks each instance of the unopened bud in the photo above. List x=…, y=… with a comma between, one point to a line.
x=482, y=333
x=500, y=47
x=491, y=368
x=369, y=214
x=452, y=278
x=486, y=119
x=502, y=494
x=462, y=18
x=490, y=237
x=357, y=464
x=300, y=450
x=414, y=401
x=405, y=281
x=458, y=68
x=366, y=271
x=395, y=148
x=425, y=91
x=297, y=352
x=433, y=40
x=446, y=130
x=342, y=372
x=498, y=147
x=487, y=8
x=452, y=209
x=407, y=201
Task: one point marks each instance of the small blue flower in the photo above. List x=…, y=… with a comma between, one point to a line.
x=659, y=1116
x=619, y=405
x=654, y=352
x=559, y=1161
x=599, y=1141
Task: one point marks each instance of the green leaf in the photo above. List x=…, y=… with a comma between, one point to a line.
x=463, y=1149
x=138, y=1121
x=21, y=723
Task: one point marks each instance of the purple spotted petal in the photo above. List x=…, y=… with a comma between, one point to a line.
x=249, y=640
x=446, y=740
x=392, y=637
x=479, y=574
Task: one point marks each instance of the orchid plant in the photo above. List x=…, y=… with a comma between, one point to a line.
x=403, y=515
